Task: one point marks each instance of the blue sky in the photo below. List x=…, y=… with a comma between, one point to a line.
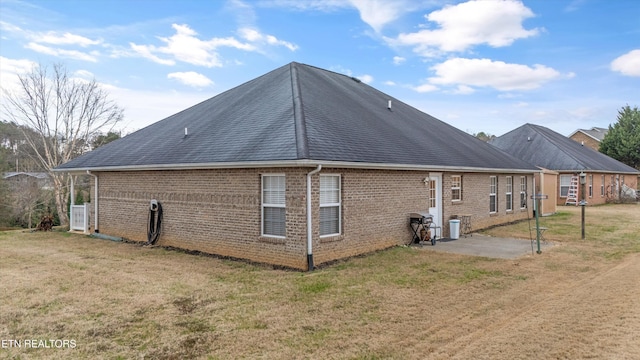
x=488, y=65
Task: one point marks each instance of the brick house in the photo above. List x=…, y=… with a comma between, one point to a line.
x=606, y=178
x=589, y=137
x=297, y=167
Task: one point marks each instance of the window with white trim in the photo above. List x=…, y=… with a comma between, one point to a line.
x=493, y=197
x=602, y=185
x=330, y=205
x=273, y=205
x=590, y=185
x=565, y=182
x=509, y=193
x=456, y=187
x=432, y=193
x=523, y=192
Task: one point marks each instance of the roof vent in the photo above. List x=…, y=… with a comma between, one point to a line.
x=528, y=138
x=389, y=105
x=356, y=79
x=186, y=132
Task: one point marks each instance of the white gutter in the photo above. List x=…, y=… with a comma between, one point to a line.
x=309, y=220
x=95, y=200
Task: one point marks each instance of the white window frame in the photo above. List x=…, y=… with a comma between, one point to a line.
x=457, y=182
x=264, y=205
x=590, y=185
x=602, y=186
x=509, y=193
x=568, y=185
x=493, y=194
x=433, y=190
x=337, y=205
x=523, y=192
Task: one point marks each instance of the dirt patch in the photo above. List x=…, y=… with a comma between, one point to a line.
x=578, y=299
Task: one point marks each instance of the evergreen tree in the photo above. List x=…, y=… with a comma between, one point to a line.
x=622, y=142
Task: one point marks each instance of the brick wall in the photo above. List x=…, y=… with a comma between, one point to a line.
x=601, y=194
x=219, y=211
x=588, y=140
x=475, y=199
x=375, y=211
x=214, y=211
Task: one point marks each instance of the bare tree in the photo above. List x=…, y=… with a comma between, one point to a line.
x=64, y=113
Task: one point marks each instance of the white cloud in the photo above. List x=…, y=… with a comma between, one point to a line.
x=574, y=5
x=377, y=13
x=191, y=78
x=185, y=46
x=425, y=88
x=397, y=60
x=146, y=52
x=7, y=27
x=72, y=54
x=10, y=69
x=476, y=22
x=307, y=5
x=64, y=39
x=254, y=36
x=496, y=74
x=627, y=64
x=83, y=74
x=390, y=83
x=366, y=78
x=464, y=90
x=37, y=39
x=16, y=66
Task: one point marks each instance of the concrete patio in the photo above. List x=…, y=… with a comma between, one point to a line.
x=487, y=246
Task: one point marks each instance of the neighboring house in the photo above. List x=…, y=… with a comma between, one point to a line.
x=19, y=180
x=589, y=137
x=297, y=167
x=606, y=178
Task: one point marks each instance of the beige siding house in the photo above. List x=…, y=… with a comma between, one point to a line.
x=300, y=167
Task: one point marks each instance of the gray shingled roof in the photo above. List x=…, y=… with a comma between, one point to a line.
x=298, y=113
x=546, y=148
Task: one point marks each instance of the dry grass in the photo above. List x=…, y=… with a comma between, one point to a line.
x=122, y=301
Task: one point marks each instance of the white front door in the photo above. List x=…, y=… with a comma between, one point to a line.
x=435, y=201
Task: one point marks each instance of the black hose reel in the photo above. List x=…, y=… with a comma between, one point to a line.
x=155, y=222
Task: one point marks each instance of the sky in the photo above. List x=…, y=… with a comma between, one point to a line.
x=480, y=65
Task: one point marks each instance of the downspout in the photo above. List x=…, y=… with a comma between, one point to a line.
x=309, y=220
x=72, y=197
x=95, y=199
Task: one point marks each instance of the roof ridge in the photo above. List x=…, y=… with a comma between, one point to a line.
x=299, y=122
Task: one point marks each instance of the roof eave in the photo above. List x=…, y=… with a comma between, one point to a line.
x=294, y=163
x=599, y=171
